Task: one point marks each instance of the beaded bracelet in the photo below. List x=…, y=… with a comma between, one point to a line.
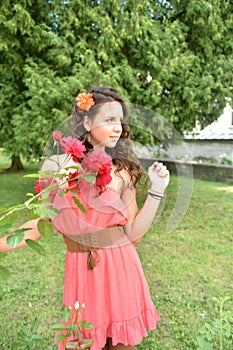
x=155, y=196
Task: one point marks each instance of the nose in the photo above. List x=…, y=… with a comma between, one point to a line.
x=117, y=127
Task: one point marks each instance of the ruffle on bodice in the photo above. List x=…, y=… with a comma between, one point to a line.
x=102, y=210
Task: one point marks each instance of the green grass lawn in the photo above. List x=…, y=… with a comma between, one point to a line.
x=188, y=271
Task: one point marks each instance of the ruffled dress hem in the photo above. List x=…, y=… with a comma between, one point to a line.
x=130, y=332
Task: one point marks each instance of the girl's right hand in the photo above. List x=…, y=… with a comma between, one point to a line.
x=159, y=176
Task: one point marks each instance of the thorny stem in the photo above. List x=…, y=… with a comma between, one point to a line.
x=25, y=204
x=29, y=201
x=35, y=197
x=76, y=319
x=57, y=153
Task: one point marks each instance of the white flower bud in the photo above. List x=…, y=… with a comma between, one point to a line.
x=76, y=305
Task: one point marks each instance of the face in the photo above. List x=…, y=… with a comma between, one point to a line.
x=105, y=129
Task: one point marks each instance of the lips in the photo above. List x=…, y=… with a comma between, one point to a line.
x=114, y=138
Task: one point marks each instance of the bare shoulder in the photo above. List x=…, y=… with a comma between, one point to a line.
x=125, y=175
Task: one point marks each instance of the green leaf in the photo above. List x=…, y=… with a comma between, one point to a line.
x=60, y=337
x=35, y=326
x=35, y=204
x=58, y=327
x=36, y=247
x=217, y=323
x=66, y=313
x=47, y=212
x=12, y=241
x=73, y=167
x=32, y=215
x=37, y=337
x=90, y=178
x=15, y=239
x=86, y=324
x=8, y=218
x=32, y=175
x=22, y=230
x=23, y=334
x=79, y=205
x=4, y=273
x=70, y=327
x=45, y=228
x=16, y=207
x=29, y=194
x=203, y=345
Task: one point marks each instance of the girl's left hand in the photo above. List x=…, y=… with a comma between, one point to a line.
x=159, y=176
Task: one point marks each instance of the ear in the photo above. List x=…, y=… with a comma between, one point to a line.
x=87, y=123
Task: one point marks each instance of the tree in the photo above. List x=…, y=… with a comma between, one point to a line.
x=186, y=47
x=174, y=57
x=23, y=35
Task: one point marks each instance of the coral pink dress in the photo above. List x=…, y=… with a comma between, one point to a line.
x=115, y=293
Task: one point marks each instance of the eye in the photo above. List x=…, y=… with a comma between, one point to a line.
x=110, y=120
x=114, y=120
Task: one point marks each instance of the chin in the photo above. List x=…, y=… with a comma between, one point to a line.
x=111, y=144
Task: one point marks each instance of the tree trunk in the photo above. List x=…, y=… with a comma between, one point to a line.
x=16, y=164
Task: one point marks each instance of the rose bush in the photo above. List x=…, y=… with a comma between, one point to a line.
x=94, y=167
x=72, y=325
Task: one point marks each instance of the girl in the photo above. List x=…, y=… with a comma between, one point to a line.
x=102, y=266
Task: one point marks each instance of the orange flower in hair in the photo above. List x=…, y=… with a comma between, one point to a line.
x=84, y=101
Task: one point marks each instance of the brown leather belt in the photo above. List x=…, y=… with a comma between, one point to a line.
x=75, y=247
x=92, y=246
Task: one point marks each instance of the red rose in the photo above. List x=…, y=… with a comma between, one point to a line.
x=44, y=182
x=103, y=177
x=95, y=161
x=73, y=181
x=73, y=147
x=57, y=135
x=100, y=163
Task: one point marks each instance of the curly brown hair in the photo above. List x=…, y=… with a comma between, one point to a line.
x=122, y=154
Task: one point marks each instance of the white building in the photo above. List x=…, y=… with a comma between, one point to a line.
x=214, y=142
x=221, y=129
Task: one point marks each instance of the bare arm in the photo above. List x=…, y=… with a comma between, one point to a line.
x=140, y=221
x=30, y=234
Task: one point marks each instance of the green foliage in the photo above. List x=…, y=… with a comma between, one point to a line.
x=227, y=161
x=28, y=339
x=52, y=50
x=35, y=246
x=75, y=325
x=40, y=205
x=217, y=334
x=45, y=228
x=14, y=239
